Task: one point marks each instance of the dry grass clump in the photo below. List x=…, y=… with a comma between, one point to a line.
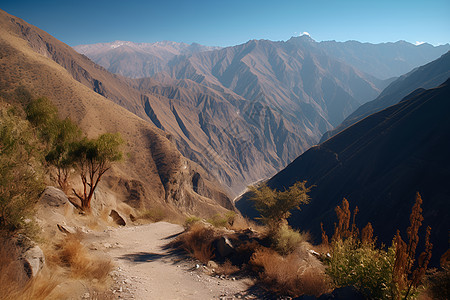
x=43, y=286
x=289, y=274
x=197, y=241
x=227, y=268
x=71, y=254
x=153, y=215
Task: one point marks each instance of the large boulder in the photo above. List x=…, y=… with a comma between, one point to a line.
x=53, y=197
x=34, y=260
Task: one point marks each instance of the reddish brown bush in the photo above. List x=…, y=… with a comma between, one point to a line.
x=197, y=241
x=289, y=274
x=227, y=268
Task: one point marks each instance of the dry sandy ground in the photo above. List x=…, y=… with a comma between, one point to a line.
x=145, y=270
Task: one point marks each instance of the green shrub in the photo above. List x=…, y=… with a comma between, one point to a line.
x=286, y=240
x=275, y=206
x=190, y=221
x=219, y=220
x=21, y=170
x=363, y=266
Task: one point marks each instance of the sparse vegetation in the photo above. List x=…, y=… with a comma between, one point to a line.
x=154, y=215
x=227, y=268
x=190, y=221
x=58, y=135
x=66, y=149
x=14, y=282
x=28, y=138
x=377, y=273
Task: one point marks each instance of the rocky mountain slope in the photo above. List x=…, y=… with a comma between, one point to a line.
x=155, y=173
x=427, y=76
x=136, y=60
x=299, y=81
x=379, y=164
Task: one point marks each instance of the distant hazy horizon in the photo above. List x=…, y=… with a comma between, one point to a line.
x=235, y=22
x=161, y=41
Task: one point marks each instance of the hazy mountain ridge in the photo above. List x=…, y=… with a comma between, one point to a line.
x=136, y=60
x=383, y=60
x=427, y=76
x=378, y=164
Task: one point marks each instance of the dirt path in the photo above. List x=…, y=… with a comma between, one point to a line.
x=145, y=270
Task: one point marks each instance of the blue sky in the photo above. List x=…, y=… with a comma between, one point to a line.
x=225, y=23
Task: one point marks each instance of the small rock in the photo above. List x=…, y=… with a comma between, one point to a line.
x=314, y=253
x=107, y=245
x=117, y=218
x=66, y=229
x=86, y=296
x=212, y=264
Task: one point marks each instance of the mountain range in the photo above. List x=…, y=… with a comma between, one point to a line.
x=246, y=111
x=257, y=106
x=383, y=60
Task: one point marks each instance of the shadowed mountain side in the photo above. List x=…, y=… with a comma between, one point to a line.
x=427, y=76
x=379, y=164
x=154, y=173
